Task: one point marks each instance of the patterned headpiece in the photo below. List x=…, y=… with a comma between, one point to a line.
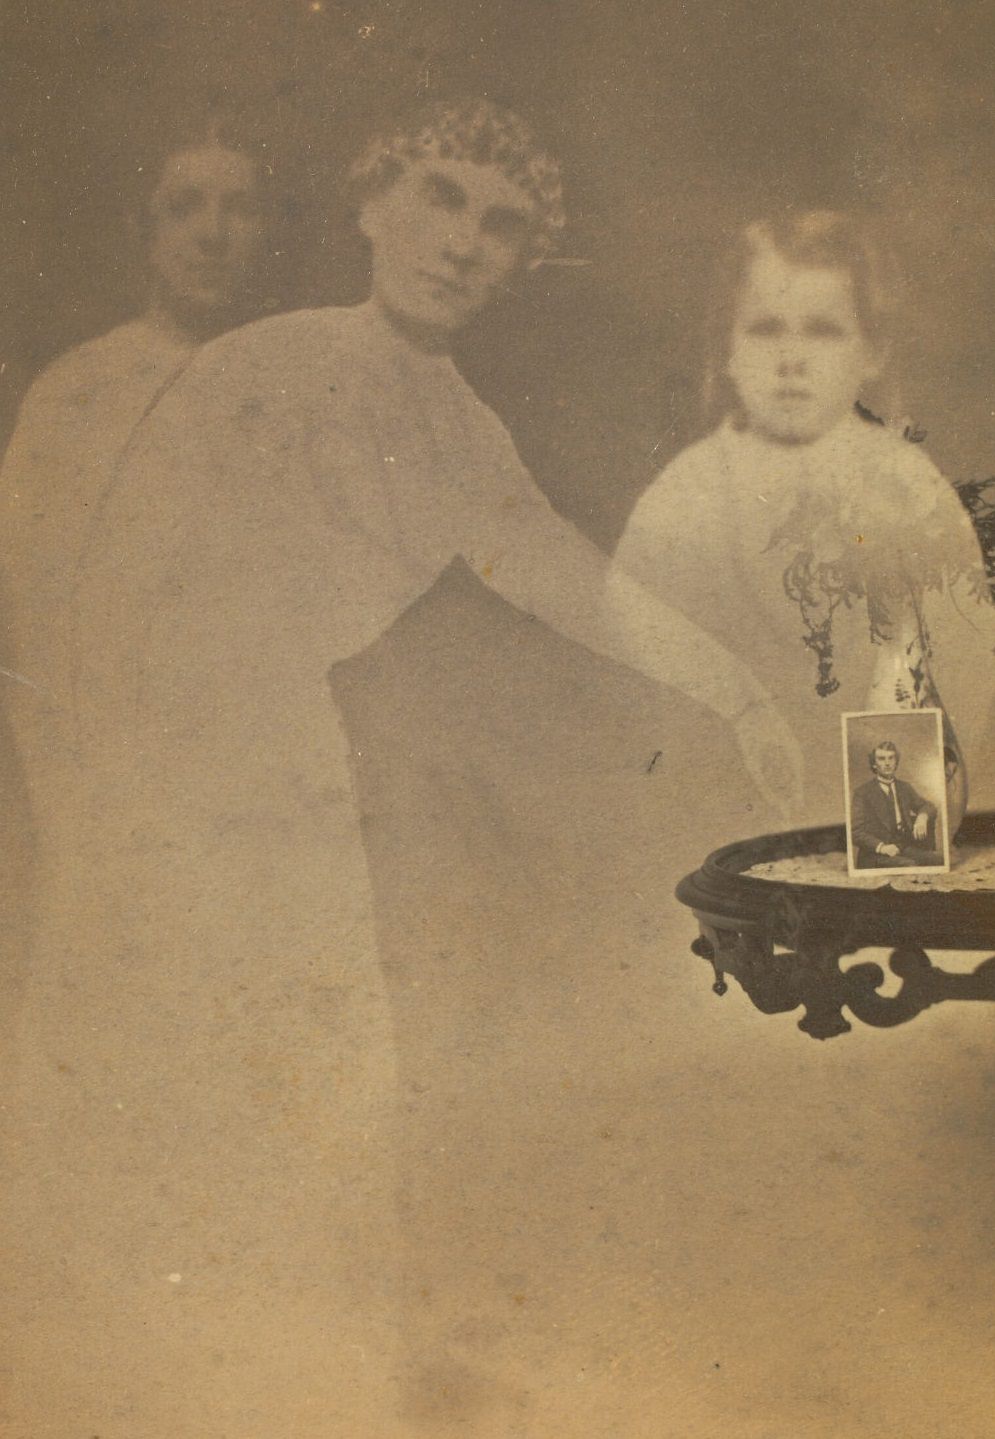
x=475, y=130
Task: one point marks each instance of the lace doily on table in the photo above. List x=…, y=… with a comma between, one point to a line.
x=972, y=867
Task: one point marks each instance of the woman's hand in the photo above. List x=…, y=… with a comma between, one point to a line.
x=773, y=758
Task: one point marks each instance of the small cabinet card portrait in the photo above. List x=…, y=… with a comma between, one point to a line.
x=895, y=775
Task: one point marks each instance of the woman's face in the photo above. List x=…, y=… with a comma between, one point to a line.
x=207, y=228
x=445, y=237
x=799, y=355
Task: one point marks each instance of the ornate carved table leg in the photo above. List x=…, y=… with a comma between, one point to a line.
x=822, y=988
x=708, y=946
x=923, y=985
x=748, y=955
x=812, y=956
x=779, y=981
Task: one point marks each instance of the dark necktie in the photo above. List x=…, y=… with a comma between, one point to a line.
x=891, y=789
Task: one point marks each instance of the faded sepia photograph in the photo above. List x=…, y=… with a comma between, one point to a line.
x=463, y=465
x=896, y=793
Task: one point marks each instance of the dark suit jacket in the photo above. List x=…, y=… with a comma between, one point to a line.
x=873, y=821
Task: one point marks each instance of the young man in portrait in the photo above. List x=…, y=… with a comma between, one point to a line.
x=892, y=825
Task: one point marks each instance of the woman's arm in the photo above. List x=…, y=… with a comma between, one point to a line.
x=539, y=562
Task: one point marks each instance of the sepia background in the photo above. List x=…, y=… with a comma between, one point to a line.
x=631, y=1208
x=675, y=123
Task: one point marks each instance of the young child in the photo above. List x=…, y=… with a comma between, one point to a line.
x=759, y=531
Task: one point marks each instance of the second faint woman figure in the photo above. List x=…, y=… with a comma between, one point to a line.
x=201, y=225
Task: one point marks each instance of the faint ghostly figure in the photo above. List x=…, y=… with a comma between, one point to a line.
x=200, y=219
x=202, y=222
x=202, y=226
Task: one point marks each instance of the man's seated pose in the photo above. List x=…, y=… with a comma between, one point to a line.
x=891, y=824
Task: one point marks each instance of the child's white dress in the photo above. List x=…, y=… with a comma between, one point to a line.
x=705, y=537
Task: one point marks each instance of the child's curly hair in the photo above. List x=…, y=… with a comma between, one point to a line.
x=476, y=130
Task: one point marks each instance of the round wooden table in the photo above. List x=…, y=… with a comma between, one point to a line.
x=783, y=939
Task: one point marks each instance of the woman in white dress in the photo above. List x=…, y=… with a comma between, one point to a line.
x=203, y=223
x=206, y=1044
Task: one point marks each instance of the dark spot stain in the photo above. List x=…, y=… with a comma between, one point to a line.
x=866, y=414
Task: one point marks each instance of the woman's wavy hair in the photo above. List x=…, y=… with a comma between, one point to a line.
x=826, y=239
x=476, y=130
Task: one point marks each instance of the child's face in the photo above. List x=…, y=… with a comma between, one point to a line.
x=799, y=355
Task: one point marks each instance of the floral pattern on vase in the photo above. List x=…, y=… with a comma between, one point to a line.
x=903, y=680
